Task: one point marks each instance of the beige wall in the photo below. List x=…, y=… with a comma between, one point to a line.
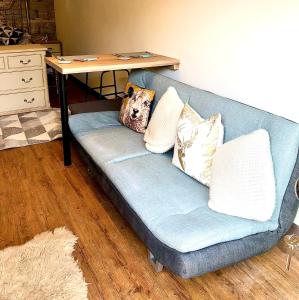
x=245, y=50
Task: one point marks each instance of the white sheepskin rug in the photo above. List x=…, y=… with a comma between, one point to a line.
x=42, y=269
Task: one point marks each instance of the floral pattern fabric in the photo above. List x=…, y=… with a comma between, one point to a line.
x=196, y=144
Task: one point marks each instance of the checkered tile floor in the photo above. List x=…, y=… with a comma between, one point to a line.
x=29, y=128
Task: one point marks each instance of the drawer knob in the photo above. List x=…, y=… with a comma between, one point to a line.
x=27, y=81
x=25, y=62
x=29, y=101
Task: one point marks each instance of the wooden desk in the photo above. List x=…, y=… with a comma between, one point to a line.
x=105, y=62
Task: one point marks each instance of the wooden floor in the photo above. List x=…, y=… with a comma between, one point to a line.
x=37, y=193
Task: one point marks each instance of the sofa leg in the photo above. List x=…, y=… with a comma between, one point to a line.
x=154, y=262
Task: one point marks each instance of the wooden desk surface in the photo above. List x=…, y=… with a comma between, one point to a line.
x=22, y=48
x=109, y=62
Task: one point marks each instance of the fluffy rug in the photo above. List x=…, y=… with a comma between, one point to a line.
x=29, y=128
x=42, y=269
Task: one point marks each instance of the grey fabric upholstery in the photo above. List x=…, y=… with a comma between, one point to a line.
x=94, y=106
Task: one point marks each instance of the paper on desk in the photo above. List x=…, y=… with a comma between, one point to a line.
x=78, y=58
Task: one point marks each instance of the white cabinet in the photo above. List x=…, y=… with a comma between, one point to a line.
x=23, y=79
x=2, y=66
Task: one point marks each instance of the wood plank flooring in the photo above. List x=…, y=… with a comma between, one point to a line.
x=37, y=193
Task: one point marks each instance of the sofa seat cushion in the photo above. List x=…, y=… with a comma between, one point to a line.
x=82, y=124
x=112, y=144
x=173, y=206
x=105, y=139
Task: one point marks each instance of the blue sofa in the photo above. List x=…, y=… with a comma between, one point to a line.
x=168, y=209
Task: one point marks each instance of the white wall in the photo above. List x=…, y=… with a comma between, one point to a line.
x=247, y=50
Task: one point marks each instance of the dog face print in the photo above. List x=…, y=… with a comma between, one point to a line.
x=136, y=108
x=138, y=111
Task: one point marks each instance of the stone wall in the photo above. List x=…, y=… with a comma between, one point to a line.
x=42, y=17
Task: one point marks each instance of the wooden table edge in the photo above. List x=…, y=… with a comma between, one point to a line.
x=174, y=65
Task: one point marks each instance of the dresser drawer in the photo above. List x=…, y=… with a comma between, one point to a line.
x=21, y=80
x=20, y=101
x=2, y=66
x=24, y=61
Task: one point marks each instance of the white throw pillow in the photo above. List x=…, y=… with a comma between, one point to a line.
x=243, y=182
x=161, y=131
x=196, y=144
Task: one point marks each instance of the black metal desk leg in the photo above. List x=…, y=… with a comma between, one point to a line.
x=65, y=121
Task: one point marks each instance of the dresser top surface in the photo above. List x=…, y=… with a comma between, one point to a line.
x=22, y=48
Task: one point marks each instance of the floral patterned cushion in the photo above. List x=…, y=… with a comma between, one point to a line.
x=196, y=144
x=135, y=109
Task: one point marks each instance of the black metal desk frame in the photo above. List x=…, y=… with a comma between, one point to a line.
x=64, y=120
x=112, y=64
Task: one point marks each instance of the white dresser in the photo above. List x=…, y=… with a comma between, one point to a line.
x=23, y=79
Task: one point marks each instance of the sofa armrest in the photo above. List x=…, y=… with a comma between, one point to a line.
x=95, y=106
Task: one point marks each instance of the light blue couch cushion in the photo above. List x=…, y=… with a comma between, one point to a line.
x=160, y=84
x=238, y=119
x=174, y=206
x=113, y=144
x=82, y=124
x=105, y=139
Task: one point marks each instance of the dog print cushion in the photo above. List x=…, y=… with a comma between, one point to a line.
x=196, y=143
x=135, y=109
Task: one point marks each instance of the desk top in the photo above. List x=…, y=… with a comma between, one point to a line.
x=109, y=62
x=22, y=48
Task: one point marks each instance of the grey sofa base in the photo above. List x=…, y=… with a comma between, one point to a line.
x=209, y=259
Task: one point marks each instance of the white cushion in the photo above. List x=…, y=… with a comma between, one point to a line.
x=196, y=144
x=243, y=182
x=161, y=131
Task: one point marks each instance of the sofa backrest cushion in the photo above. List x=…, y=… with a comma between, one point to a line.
x=238, y=119
x=160, y=84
